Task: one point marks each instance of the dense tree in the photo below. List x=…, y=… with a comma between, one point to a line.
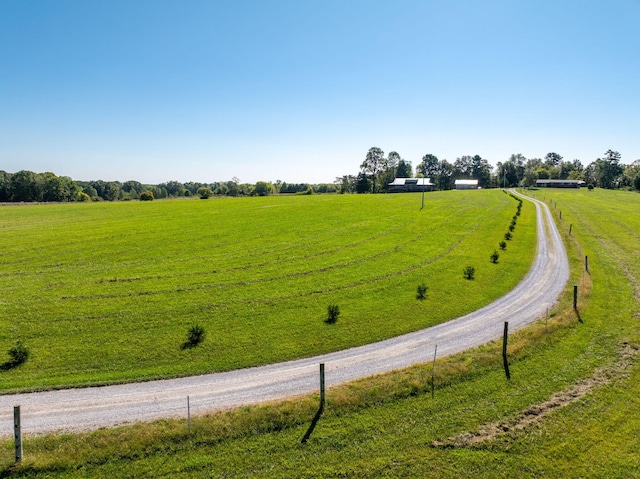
x=389, y=172
x=363, y=184
x=90, y=191
x=174, y=188
x=263, y=188
x=373, y=164
x=5, y=186
x=429, y=166
x=132, y=189
x=631, y=174
x=462, y=167
x=608, y=170
x=232, y=188
x=553, y=159
x=292, y=188
x=24, y=187
x=444, y=175
x=570, y=170
x=59, y=188
x=481, y=171
x=112, y=190
x=531, y=173
x=403, y=169
x=393, y=158
x=346, y=183
x=511, y=172
x=204, y=192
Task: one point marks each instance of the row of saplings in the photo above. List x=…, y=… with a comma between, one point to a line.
x=196, y=334
x=469, y=271
x=333, y=310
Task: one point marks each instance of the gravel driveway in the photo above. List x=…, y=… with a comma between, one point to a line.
x=97, y=407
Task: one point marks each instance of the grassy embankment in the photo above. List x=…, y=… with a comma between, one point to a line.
x=104, y=293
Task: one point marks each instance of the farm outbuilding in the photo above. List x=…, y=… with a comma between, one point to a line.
x=466, y=184
x=411, y=184
x=559, y=183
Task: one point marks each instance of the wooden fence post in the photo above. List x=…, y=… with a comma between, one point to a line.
x=504, y=350
x=575, y=297
x=17, y=433
x=188, y=416
x=433, y=373
x=316, y=418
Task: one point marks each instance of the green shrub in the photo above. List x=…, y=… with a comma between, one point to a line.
x=494, y=257
x=333, y=311
x=195, y=336
x=204, y=192
x=508, y=235
x=503, y=245
x=146, y=196
x=469, y=272
x=18, y=354
x=421, y=292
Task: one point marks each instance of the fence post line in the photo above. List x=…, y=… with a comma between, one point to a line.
x=17, y=433
x=504, y=350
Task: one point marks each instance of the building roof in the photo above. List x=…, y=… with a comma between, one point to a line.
x=411, y=181
x=467, y=182
x=580, y=182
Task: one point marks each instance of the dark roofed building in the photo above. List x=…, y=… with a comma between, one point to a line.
x=411, y=184
x=559, y=183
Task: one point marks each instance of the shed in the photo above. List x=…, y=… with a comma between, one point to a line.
x=466, y=184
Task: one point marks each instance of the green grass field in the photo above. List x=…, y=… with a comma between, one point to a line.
x=390, y=426
x=106, y=292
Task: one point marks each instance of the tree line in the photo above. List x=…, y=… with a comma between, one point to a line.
x=27, y=186
x=378, y=170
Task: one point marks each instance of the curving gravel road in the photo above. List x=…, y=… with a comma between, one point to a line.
x=98, y=407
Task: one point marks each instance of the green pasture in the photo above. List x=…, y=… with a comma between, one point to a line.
x=106, y=292
x=391, y=426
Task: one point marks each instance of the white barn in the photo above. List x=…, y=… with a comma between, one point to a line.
x=466, y=184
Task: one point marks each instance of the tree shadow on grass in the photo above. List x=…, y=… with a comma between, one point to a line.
x=9, y=365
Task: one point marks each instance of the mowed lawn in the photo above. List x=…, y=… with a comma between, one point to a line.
x=106, y=292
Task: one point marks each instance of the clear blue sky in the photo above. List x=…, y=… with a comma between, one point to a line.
x=299, y=90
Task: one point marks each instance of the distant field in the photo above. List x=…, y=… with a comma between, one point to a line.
x=106, y=292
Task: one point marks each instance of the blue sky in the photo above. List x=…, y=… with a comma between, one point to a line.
x=299, y=90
